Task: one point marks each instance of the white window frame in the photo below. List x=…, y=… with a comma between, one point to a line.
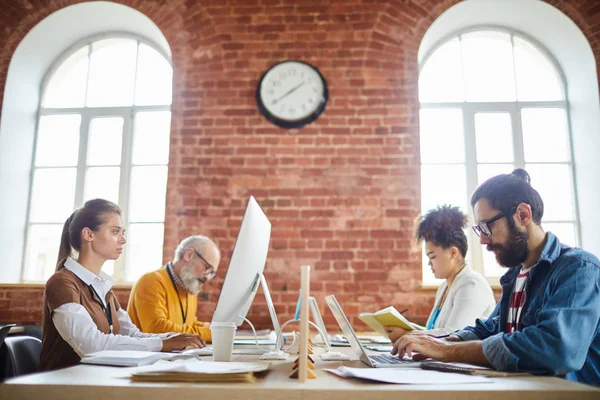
x=128, y=114
x=513, y=108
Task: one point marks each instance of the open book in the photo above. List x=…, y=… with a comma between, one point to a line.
x=387, y=317
x=194, y=370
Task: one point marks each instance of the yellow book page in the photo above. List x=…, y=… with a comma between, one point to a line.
x=389, y=319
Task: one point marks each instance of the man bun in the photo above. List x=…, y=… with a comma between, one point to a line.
x=522, y=174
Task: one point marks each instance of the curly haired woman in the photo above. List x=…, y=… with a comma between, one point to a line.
x=464, y=295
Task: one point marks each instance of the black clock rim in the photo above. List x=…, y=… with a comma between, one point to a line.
x=296, y=123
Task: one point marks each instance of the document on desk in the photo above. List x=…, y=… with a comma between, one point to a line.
x=128, y=358
x=406, y=376
x=193, y=370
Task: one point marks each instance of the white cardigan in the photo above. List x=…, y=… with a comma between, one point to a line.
x=470, y=297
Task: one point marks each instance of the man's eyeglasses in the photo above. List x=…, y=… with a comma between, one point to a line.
x=209, y=270
x=484, y=226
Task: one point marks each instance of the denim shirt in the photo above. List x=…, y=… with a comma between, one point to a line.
x=560, y=323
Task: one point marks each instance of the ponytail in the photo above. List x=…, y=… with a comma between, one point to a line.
x=91, y=215
x=64, y=250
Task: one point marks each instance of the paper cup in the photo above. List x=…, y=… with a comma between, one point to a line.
x=222, y=340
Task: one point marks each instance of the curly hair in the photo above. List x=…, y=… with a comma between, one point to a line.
x=443, y=226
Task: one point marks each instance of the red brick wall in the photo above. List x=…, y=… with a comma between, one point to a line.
x=342, y=192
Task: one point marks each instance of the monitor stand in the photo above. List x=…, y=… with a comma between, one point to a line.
x=260, y=278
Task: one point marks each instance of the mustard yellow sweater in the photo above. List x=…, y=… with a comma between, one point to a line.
x=154, y=307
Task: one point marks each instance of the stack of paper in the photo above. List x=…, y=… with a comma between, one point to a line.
x=263, y=338
x=129, y=358
x=194, y=370
x=387, y=317
x=243, y=334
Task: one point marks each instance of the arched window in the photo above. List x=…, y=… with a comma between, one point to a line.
x=492, y=101
x=103, y=131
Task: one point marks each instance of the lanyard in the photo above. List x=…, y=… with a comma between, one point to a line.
x=107, y=311
x=183, y=314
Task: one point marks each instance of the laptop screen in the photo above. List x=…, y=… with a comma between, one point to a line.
x=347, y=329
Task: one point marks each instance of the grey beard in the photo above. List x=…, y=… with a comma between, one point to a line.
x=192, y=283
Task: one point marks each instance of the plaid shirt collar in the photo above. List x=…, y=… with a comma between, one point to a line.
x=176, y=278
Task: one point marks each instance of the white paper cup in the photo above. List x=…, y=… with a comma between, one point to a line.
x=222, y=340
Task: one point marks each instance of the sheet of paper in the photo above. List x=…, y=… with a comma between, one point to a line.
x=407, y=376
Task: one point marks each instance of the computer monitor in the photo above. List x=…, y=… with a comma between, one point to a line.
x=245, y=268
x=318, y=319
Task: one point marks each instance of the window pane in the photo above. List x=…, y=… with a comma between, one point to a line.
x=147, y=194
x=58, y=140
x=144, y=249
x=494, y=138
x=443, y=184
x=545, y=136
x=537, y=78
x=441, y=78
x=486, y=171
x=105, y=141
x=112, y=73
x=53, y=194
x=102, y=182
x=488, y=65
x=441, y=135
x=151, y=138
x=66, y=87
x=553, y=183
x=154, y=78
x=565, y=232
x=42, y=252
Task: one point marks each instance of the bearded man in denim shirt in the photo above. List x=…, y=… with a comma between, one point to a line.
x=548, y=318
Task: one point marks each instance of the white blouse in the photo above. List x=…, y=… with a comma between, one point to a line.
x=470, y=297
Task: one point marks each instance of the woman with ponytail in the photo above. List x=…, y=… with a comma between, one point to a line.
x=464, y=295
x=81, y=313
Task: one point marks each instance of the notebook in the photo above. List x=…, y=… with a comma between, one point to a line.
x=200, y=371
x=467, y=369
x=129, y=358
x=387, y=317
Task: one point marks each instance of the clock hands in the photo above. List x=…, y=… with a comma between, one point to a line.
x=292, y=90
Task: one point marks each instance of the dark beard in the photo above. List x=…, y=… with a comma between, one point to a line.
x=515, y=251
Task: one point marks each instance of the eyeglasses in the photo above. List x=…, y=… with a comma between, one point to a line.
x=209, y=270
x=484, y=226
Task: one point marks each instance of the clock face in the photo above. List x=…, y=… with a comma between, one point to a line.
x=292, y=94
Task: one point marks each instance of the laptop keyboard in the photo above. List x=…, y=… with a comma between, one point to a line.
x=388, y=359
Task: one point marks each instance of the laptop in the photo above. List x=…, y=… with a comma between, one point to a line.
x=373, y=361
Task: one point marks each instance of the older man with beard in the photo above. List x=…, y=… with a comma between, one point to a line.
x=548, y=318
x=166, y=300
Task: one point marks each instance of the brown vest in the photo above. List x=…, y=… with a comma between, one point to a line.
x=65, y=287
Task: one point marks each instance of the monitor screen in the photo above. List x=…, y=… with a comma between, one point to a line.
x=247, y=262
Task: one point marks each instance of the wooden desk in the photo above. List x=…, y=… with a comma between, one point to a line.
x=96, y=382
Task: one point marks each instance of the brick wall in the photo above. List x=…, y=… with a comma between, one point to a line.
x=341, y=193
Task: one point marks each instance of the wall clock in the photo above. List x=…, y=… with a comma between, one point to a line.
x=292, y=94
